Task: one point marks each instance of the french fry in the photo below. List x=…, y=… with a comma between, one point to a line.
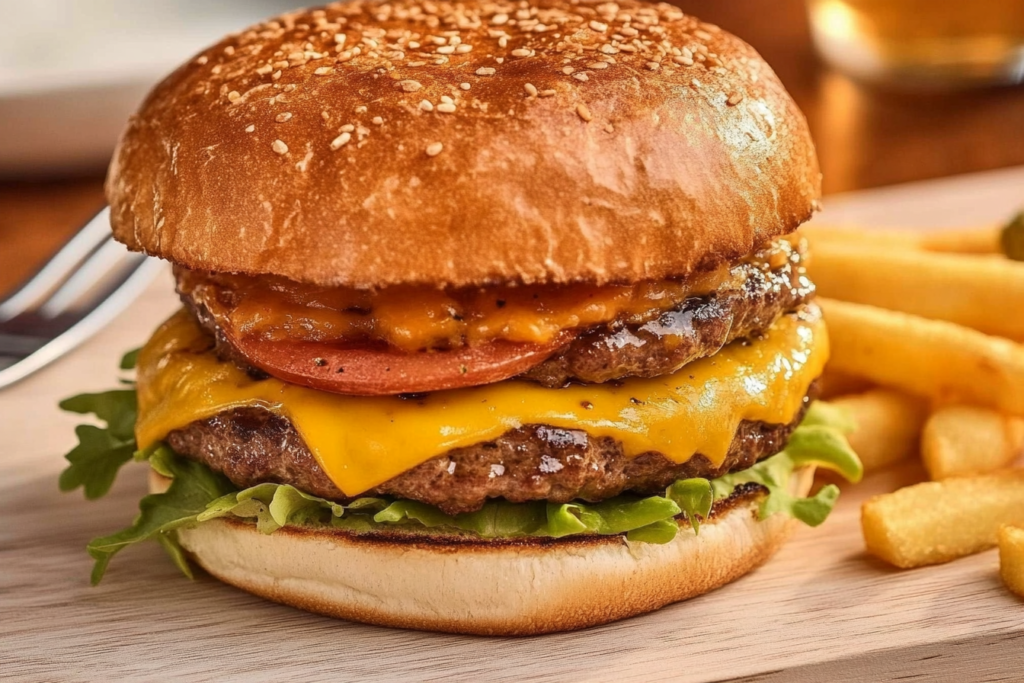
x=835, y=384
x=936, y=522
x=931, y=358
x=965, y=440
x=1011, y=558
x=980, y=292
x=888, y=426
x=973, y=240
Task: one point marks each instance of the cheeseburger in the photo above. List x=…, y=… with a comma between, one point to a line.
x=494, y=317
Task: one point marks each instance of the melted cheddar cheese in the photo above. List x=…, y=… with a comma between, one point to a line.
x=411, y=318
x=362, y=442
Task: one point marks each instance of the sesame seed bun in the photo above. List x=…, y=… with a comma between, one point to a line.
x=520, y=587
x=369, y=144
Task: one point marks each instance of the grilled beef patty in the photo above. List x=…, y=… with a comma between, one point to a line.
x=535, y=462
x=697, y=328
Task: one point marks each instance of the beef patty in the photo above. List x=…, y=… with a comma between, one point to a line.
x=696, y=328
x=535, y=462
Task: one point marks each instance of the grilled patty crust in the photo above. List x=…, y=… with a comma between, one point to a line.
x=535, y=462
x=697, y=327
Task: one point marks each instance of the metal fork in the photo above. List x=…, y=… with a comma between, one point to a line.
x=71, y=298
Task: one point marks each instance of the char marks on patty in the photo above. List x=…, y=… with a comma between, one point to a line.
x=535, y=462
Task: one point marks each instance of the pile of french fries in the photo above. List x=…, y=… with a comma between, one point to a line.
x=927, y=333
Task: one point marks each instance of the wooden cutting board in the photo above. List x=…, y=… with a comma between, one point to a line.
x=821, y=610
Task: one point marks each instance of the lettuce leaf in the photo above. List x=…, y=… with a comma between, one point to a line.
x=197, y=494
x=101, y=451
x=193, y=487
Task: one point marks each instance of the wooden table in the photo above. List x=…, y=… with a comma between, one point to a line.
x=866, y=137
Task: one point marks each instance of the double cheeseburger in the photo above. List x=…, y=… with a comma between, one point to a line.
x=494, y=318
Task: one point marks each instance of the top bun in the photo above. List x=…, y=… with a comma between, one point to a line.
x=369, y=144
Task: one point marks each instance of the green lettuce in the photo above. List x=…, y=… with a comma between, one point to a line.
x=196, y=494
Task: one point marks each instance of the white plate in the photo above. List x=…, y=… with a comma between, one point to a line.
x=71, y=71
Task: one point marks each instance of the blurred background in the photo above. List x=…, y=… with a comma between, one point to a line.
x=895, y=90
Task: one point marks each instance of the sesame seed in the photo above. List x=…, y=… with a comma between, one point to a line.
x=446, y=50
x=446, y=108
x=279, y=147
x=609, y=50
x=464, y=86
x=323, y=71
x=485, y=71
x=598, y=26
x=463, y=49
x=584, y=112
x=503, y=41
x=361, y=109
x=703, y=35
x=521, y=52
x=499, y=19
x=547, y=93
x=653, y=66
x=499, y=60
x=734, y=99
x=250, y=129
x=581, y=77
x=531, y=89
x=326, y=116
x=340, y=141
x=277, y=75
x=377, y=121
x=425, y=105
x=684, y=60
x=567, y=70
x=347, y=128
x=597, y=65
x=609, y=128
x=233, y=96
x=283, y=118
x=202, y=60
x=434, y=148
x=409, y=85
x=264, y=70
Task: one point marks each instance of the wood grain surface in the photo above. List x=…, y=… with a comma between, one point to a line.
x=821, y=610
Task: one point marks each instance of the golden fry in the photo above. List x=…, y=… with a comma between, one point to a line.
x=937, y=522
x=1011, y=558
x=888, y=426
x=980, y=240
x=980, y=292
x=931, y=358
x=965, y=440
x=836, y=384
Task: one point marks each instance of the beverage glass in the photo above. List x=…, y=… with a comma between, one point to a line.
x=944, y=43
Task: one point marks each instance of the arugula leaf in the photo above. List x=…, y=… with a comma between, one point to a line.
x=116, y=408
x=101, y=451
x=130, y=359
x=193, y=487
x=94, y=462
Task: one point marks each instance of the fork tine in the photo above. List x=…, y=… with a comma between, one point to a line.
x=59, y=267
x=94, y=270
x=129, y=286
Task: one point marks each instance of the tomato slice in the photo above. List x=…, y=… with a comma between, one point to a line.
x=367, y=371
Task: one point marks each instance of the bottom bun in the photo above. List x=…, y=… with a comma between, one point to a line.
x=440, y=582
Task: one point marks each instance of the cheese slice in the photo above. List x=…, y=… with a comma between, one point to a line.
x=362, y=442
